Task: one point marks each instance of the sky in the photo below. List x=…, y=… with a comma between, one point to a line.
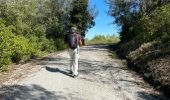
x=103, y=22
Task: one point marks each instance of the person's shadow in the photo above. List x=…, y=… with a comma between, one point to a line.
x=57, y=70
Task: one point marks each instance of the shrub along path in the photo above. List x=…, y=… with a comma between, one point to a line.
x=100, y=78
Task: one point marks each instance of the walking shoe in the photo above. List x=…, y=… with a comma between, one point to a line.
x=75, y=76
x=70, y=72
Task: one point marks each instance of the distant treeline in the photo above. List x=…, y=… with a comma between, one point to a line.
x=101, y=39
x=30, y=28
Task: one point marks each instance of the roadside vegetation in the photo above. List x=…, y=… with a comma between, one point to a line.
x=101, y=39
x=145, y=38
x=31, y=28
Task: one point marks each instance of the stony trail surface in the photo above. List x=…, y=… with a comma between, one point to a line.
x=100, y=78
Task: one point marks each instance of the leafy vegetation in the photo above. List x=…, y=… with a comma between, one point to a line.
x=145, y=37
x=101, y=39
x=30, y=28
x=81, y=16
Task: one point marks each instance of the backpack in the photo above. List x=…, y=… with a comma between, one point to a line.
x=72, y=41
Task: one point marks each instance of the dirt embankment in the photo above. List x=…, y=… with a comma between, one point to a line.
x=151, y=60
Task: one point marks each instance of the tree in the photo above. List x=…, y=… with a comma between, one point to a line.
x=30, y=28
x=80, y=16
x=129, y=14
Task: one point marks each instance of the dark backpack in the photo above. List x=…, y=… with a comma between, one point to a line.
x=72, y=41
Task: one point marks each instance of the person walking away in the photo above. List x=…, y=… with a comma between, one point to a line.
x=73, y=40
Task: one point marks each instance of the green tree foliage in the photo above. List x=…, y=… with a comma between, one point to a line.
x=30, y=28
x=145, y=18
x=80, y=16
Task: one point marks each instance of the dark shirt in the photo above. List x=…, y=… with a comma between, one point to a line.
x=78, y=38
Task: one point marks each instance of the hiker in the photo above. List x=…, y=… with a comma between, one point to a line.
x=73, y=39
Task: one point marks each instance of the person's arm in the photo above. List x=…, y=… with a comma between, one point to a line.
x=80, y=40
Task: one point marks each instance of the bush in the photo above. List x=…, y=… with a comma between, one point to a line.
x=60, y=44
x=17, y=48
x=47, y=45
x=6, y=39
x=21, y=49
x=101, y=39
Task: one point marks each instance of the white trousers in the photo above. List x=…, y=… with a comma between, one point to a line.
x=74, y=56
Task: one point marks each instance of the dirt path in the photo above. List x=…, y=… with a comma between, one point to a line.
x=100, y=78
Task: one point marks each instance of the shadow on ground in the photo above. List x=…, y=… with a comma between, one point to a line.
x=93, y=71
x=57, y=70
x=150, y=96
x=33, y=92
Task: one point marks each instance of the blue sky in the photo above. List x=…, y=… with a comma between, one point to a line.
x=103, y=22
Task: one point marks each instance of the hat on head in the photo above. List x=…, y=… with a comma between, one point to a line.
x=73, y=29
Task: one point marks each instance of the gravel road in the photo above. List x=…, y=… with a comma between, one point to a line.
x=100, y=78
